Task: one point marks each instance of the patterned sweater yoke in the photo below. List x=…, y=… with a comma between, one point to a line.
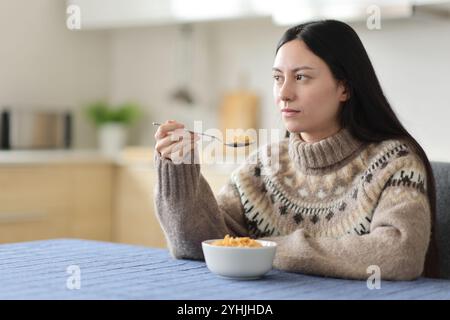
x=329, y=188
x=335, y=207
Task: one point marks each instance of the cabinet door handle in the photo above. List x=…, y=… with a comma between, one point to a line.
x=17, y=217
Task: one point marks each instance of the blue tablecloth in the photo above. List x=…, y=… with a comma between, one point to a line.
x=39, y=270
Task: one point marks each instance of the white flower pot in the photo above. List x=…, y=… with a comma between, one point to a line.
x=112, y=138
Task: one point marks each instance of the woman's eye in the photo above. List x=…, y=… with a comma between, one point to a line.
x=276, y=77
x=300, y=77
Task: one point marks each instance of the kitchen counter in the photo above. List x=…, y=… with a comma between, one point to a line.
x=21, y=157
x=130, y=156
x=44, y=270
x=141, y=156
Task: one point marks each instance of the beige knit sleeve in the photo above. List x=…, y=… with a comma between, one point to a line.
x=397, y=242
x=189, y=212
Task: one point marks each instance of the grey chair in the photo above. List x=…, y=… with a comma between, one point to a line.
x=441, y=171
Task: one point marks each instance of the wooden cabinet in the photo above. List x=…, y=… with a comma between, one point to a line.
x=88, y=200
x=93, y=190
x=55, y=201
x=135, y=221
x=134, y=218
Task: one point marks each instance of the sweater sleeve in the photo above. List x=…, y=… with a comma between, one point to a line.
x=397, y=242
x=188, y=211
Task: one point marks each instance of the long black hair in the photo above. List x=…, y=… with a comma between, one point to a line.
x=367, y=114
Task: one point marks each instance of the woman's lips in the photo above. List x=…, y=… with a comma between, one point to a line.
x=289, y=112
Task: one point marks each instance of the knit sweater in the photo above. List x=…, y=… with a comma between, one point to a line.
x=334, y=207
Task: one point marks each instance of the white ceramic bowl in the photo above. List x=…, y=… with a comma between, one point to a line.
x=239, y=262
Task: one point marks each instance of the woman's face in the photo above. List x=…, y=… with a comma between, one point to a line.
x=306, y=93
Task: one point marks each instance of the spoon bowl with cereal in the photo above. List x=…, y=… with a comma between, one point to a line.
x=238, y=141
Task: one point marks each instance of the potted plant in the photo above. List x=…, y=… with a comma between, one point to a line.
x=112, y=123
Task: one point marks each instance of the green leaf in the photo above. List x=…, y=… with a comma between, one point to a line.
x=100, y=113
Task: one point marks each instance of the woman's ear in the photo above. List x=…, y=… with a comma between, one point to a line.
x=344, y=92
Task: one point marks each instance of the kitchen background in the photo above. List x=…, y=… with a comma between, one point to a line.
x=216, y=55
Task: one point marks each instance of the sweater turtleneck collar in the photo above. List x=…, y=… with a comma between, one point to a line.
x=324, y=153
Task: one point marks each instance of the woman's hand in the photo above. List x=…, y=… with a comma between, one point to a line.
x=174, y=143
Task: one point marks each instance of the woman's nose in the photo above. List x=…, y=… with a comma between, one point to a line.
x=286, y=93
x=285, y=98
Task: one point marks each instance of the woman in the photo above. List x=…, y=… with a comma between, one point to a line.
x=353, y=188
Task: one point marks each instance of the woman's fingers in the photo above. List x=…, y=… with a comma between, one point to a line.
x=180, y=148
x=167, y=134
x=164, y=145
x=167, y=127
x=172, y=140
x=167, y=141
x=174, y=150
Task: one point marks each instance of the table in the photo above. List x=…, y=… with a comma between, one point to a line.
x=53, y=269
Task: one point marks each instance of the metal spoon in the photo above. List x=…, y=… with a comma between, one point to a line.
x=231, y=144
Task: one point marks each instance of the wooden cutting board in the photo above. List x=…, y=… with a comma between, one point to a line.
x=239, y=110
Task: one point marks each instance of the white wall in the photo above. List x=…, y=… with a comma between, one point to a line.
x=147, y=67
x=42, y=63
x=412, y=61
